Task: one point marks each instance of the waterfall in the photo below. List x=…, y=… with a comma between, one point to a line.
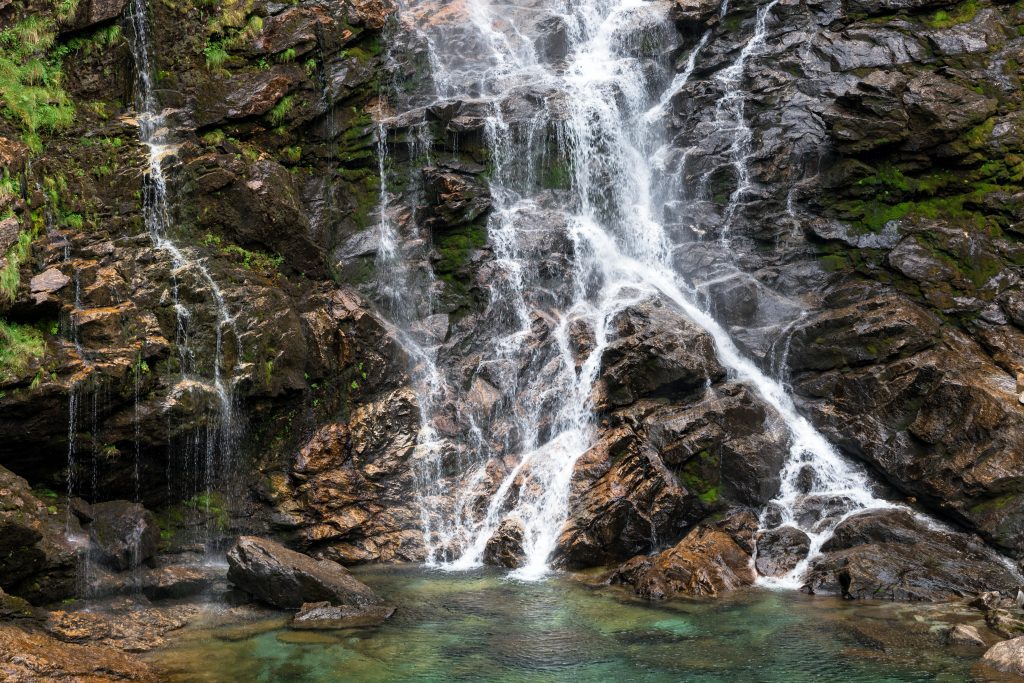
x=604, y=104
x=215, y=443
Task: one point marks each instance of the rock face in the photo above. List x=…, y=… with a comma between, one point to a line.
x=27, y=656
x=285, y=578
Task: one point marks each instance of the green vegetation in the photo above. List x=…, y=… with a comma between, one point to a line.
x=10, y=275
x=19, y=346
x=215, y=55
x=30, y=80
x=281, y=110
x=960, y=14
x=286, y=56
x=256, y=261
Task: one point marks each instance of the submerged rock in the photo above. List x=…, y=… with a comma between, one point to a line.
x=324, y=615
x=284, y=578
x=965, y=635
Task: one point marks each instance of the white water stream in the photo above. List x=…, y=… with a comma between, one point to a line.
x=604, y=102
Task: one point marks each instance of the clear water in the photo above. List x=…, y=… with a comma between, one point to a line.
x=480, y=626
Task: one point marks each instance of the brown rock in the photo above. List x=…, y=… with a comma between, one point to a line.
x=324, y=615
x=505, y=547
x=708, y=561
x=964, y=635
x=28, y=656
x=1006, y=656
x=285, y=578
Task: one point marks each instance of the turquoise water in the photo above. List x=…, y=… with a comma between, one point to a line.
x=484, y=627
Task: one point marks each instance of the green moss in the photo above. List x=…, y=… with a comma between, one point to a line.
x=961, y=14
x=10, y=275
x=833, y=262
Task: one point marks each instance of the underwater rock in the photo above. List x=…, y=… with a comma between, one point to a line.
x=965, y=635
x=324, y=615
x=284, y=578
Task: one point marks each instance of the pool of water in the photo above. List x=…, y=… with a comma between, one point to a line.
x=484, y=627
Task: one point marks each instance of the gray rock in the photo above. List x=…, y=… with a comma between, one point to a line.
x=964, y=635
x=781, y=549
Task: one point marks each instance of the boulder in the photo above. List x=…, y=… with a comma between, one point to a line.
x=123, y=534
x=505, y=547
x=37, y=562
x=324, y=615
x=656, y=351
x=779, y=550
x=1006, y=656
x=284, y=578
x=890, y=555
x=711, y=559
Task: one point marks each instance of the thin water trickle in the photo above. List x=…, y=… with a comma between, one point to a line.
x=216, y=440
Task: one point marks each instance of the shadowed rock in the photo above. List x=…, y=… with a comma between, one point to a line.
x=284, y=578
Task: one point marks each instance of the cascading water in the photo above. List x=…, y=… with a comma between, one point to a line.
x=602, y=102
x=213, y=444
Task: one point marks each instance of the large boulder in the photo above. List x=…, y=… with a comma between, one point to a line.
x=1006, y=656
x=284, y=578
x=37, y=562
x=711, y=559
x=123, y=534
x=891, y=555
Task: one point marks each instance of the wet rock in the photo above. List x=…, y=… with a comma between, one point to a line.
x=324, y=615
x=285, y=578
x=780, y=550
x=710, y=560
x=656, y=352
x=455, y=196
x=1006, y=656
x=92, y=12
x=13, y=607
x=889, y=555
x=37, y=562
x=126, y=624
x=624, y=497
x=695, y=15
x=124, y=534
x=31, y=655
x=505, y=547
x=965, y=635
